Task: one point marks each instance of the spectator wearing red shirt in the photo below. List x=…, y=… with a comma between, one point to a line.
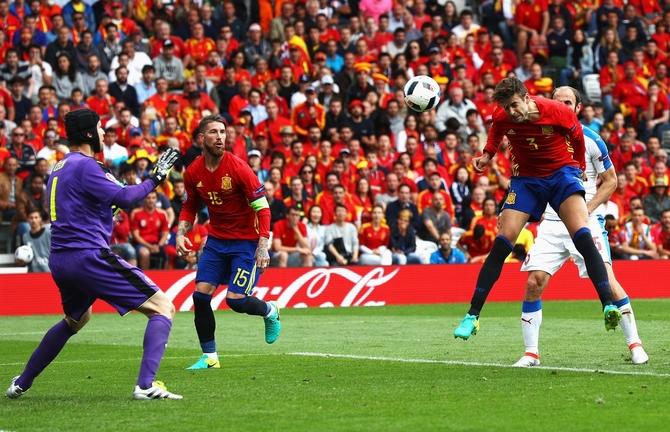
x=101, y=101
x=610, y=75
x=630, y=94
x=373, y=239
x=163, y=33
x=624, y=152
x=150, y=229
x=171, y=130
x=488, y=219
x=661, y=235
x=308, y=113
x=240, y=100
x=657, y=112
x=532, y=20
x=435, y=184
x=496, y=66
x=477, y=244
x=160, y=100
x=197, y=47
x=120, y=242
x=273, y=125
x=289, y=241
x=635, y=183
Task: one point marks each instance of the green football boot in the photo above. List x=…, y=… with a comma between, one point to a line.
x=612, y=317
x=468, y=327
x=272, y=325
x=204, y=362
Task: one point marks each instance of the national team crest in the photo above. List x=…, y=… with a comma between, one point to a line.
x=226, y=183
x=511, y=198
x=547, y=130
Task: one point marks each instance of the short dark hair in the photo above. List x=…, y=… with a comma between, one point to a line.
x=214, y=118
x=507, y=88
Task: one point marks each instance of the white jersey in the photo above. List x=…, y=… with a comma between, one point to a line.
x=597, y=162
x=553, y=245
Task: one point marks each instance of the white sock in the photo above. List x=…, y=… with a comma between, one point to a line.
x=628, y=324
x=530, y=326
x=213, y=356
x=271, y=311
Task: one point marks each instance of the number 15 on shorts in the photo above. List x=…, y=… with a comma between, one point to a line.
x=243, y=279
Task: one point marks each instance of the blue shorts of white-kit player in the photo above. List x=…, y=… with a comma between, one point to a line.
x=532, y=194
x=229, y=262
x=553, y=247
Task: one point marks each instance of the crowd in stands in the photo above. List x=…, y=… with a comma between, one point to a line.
x=311, y=91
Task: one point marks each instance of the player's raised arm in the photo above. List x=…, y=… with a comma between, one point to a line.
x=492, y=143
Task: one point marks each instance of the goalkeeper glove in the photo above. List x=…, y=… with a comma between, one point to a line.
x=163, y=166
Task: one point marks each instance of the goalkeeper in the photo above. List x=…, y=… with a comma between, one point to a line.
x=81, y=195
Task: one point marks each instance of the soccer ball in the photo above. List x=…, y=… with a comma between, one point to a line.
x=422, y=93
x=24, y=253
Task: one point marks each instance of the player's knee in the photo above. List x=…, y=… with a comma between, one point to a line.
x=77, y=325
x=534, y=286
x=236, y=304
x=205, y=288
x=158, y=304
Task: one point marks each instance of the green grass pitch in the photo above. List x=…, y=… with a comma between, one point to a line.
x=390, y=368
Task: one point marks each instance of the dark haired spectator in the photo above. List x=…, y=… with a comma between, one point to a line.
x=150, y=229
x=447, y=254
x=289, y=241
x=39, y=240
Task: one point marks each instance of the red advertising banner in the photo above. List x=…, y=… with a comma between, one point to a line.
x=28, y=294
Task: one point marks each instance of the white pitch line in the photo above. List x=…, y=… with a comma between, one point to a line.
x=476, y=364
x=223, y=356
x=41, y=333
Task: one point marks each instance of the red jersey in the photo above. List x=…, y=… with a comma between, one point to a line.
x=541, y=147
x=425, y=200
x=102, y=107
x=151, y=225
x=479, y=247
x=374, y=238
x=661, y=238
x=228, y=193
x=121, y=230
x=199, y=49
x=530, y=14
x=281, y=230
x=490, y=223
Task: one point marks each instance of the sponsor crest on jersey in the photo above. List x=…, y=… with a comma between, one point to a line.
x=199, y=184
x=511, y=198
x=59, y=165
x=226, y=183
x=547, y=130
x=511, y=132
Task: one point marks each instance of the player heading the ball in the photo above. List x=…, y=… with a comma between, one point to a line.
x=547, y=146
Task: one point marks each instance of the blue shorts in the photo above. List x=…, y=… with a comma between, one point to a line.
x=229, y=262
x=532, y=194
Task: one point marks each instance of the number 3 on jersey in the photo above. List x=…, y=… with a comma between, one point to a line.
x=532, y=144
x=214, y=198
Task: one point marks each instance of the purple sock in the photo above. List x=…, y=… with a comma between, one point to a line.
x=155, y=340
x=52, y=343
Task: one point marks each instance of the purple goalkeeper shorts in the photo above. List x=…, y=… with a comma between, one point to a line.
x=85, y=275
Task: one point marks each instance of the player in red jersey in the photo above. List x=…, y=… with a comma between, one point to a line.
x=237, y=246
x=548, y=163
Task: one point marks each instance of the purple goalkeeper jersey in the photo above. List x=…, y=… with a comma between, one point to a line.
x=81, y=194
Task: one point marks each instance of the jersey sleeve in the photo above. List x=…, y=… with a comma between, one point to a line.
x=597, y=151
x=494, y=137
x=103, y=187
x=254, y=191
x=190, y=206
x=575, y=133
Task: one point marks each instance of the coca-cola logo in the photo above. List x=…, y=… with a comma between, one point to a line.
x=319, y=287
